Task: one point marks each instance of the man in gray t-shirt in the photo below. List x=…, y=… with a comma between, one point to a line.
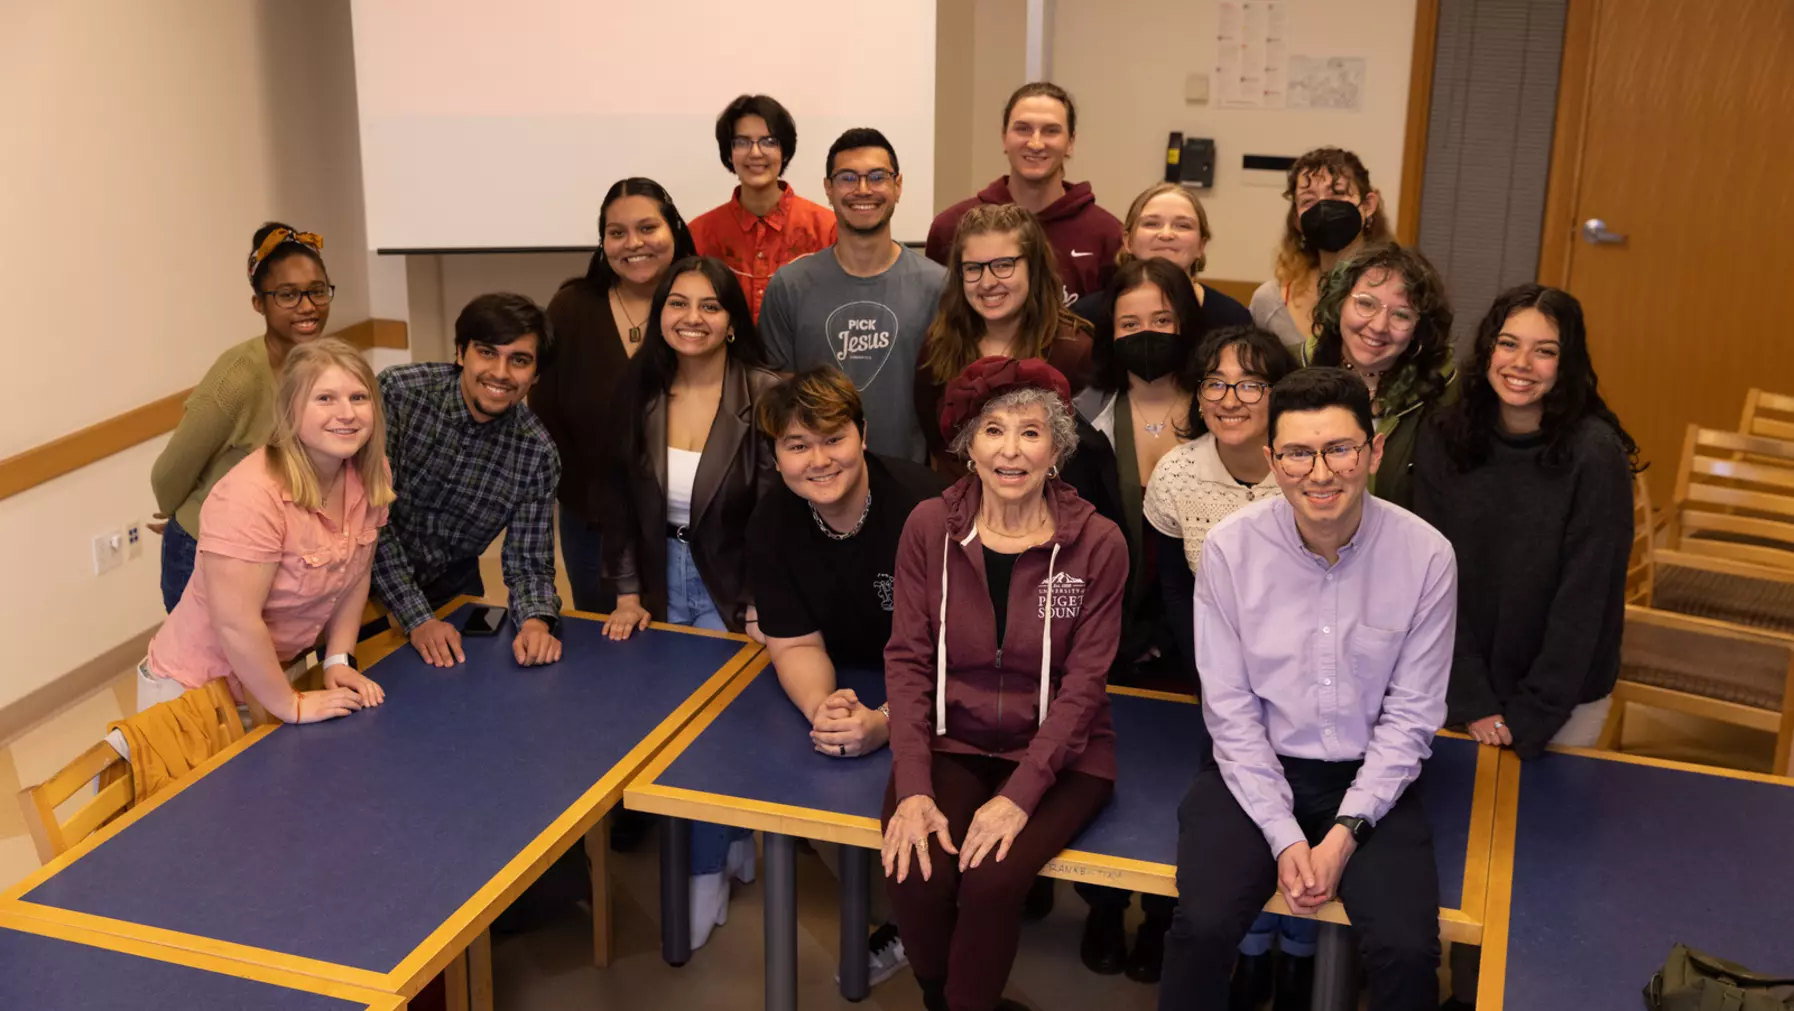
x=863, y=304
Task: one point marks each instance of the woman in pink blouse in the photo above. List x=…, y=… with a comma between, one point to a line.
x=286, y=545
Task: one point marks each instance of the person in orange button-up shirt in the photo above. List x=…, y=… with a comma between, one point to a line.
x=764, y=225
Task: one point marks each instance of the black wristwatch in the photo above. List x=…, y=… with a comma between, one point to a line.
x=1359, y=827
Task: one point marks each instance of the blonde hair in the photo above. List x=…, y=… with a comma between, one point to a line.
x=1132, y=221
x=288, y=462
x=952, y=339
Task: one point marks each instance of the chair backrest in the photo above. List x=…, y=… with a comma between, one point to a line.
x=115, y=794
x=1770, y=415
x=1641, y=566
x=1735, y=498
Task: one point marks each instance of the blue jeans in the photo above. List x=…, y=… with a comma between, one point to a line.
x=1295, y=936
x=178, y=552
x=583, y=553
x=689, y=603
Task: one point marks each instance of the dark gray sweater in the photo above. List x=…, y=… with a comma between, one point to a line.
x=1542, y=555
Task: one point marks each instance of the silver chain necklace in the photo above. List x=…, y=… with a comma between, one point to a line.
x=829, y=532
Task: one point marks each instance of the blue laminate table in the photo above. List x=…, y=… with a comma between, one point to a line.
x=746, y=760
x=1603, y=862
x=50, y=967
x=373, y=849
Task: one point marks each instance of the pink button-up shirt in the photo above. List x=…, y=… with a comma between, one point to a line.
x=250, y=517
x=1331, y=662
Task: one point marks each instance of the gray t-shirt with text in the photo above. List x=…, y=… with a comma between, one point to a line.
x=869, y=327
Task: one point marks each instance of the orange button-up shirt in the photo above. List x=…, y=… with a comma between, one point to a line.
x=755, y=247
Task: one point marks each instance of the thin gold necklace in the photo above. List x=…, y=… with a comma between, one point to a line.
x=635, y=329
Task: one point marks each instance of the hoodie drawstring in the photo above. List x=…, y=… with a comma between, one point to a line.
x=940, y=643
x=1046, y=639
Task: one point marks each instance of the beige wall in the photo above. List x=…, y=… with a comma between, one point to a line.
x=143, y=144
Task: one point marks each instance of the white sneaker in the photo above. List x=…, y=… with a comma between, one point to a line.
x=885, y=955
x=709, y=905
x=740, y=861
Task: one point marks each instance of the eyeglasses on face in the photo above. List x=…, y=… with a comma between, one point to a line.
x=740, y=144
x=1003, y=268
x=1342, y=459
x=288, y=298
x=1401, y=319
x=848, y=179
x=1249, y=391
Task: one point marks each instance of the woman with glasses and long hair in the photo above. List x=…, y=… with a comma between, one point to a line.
x=1383, y=316
x=1530, y=477
x=599, y=321
x=231, y=412
x=1334, y=211
x=1006, y=302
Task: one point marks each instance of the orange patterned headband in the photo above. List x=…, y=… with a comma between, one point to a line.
x=279, y=236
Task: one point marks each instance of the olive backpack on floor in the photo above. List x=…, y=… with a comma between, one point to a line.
x=1695, y=981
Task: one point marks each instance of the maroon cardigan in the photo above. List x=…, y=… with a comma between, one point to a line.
x=992, y=703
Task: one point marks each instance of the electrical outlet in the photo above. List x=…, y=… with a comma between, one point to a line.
x=108, y=551
x=134, y=540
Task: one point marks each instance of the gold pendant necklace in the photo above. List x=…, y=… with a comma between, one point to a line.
x=635, y=329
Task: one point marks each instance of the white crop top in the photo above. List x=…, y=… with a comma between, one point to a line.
x=682, y=473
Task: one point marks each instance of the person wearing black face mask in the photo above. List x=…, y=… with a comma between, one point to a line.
x=1333, y=212
x=1135, y=411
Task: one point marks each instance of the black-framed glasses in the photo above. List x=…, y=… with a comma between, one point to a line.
x=1401, y=319
x=1250, y=391
x=770, y=145
x=848, y=179
x=1342, y=459
x=288, y=298
x=1002, y=268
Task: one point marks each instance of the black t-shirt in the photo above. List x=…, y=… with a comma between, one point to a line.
x=805, y=581
x=999, y=572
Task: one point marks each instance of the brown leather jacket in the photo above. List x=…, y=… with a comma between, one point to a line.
x=735, y=470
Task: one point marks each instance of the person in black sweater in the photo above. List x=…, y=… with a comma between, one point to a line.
x=1530, y=477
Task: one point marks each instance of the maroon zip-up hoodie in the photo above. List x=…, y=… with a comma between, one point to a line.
x=986, y=699
x=1085, y=238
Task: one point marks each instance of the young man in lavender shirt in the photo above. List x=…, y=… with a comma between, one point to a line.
x=1324, y=626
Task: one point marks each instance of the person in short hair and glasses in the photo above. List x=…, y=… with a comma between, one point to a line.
x=1324, y=629
x=764, y=224
x=863, y=305
x=470, y=460
x=230, y=414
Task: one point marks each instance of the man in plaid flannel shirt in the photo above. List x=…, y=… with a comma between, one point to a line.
x=470, y=460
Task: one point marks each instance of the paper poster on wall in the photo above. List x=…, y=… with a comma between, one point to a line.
x=1326, y=82
x=1251, y=54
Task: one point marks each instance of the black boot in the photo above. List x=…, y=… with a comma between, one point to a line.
x=934, y=993
x=1104, y=947
x=1295, y=983
x=1039, y=901
x=1148, y=956
x=1251, y=983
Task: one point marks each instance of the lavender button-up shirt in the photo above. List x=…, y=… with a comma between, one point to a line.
x=1341, y=662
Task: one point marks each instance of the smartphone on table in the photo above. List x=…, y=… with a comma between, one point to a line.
x=485, y=620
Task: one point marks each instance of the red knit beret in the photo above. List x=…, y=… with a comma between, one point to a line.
x=985, y=378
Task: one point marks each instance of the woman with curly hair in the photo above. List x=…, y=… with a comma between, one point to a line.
x=1333, y=212
x=1383, y=316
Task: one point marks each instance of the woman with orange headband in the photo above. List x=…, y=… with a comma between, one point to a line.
x=230, y=413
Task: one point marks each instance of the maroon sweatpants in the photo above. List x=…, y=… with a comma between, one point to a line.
x=963, y=928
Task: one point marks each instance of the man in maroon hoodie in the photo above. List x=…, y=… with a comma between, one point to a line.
x=1040, y=128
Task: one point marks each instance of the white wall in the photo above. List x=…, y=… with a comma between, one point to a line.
x=1125, y=62
x=142, y=144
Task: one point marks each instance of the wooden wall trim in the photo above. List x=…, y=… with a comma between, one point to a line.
x=53, y=459
x=1557, y=237
x=1239, y=291
x=58, y=695
x=1420, y=111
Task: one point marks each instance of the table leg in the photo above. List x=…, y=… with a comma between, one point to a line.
x=454, y=984
x=1335, y=970
x=479, y=972
x=675, y=891
x=781, y=923
x=856, y=903
x=598, y=855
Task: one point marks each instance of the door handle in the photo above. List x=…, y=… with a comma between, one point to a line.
x=1595, y=233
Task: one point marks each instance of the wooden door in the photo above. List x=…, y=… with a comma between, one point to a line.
x=1676, y=128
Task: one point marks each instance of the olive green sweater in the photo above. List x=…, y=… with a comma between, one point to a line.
x=228, y=415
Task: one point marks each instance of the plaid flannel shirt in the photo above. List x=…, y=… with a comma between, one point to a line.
x=460, y=483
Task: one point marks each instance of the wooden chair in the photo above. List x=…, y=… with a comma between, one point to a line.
x=1769, y=415
x=115, y=793
x=1640, y=566
x=1706, y=668
x=1730, y=506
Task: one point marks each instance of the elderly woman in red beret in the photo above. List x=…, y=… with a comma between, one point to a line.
x=1007, y=615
